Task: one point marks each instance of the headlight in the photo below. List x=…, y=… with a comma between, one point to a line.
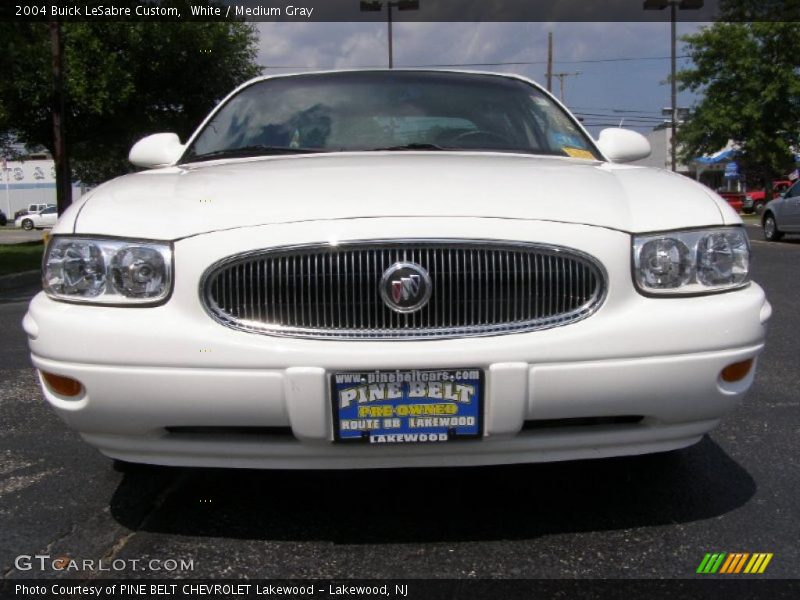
x=691, y=262
x=107, y=271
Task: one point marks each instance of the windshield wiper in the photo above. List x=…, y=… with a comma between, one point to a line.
x=245, y=151
x=413, y=146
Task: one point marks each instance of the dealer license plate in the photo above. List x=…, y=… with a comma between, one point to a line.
x=409, y=406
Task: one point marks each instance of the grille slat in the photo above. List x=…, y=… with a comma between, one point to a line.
x=479, y=288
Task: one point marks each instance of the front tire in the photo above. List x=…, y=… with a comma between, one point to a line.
x=771, y=231
x=27, y=224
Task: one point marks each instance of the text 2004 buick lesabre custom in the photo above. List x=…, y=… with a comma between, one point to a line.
x=394, y=268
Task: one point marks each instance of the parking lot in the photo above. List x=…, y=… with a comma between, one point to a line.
x=640, y=517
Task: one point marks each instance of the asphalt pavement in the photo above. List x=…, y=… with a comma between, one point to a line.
x=641, y=517
x=11, y=235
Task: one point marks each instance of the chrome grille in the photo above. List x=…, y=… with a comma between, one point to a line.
x=479, y=288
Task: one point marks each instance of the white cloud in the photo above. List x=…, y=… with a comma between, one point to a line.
x=320, y=45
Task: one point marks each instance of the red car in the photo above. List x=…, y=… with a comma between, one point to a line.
x=735, y=199
x=756, y=199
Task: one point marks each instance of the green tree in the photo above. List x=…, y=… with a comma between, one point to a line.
x=123, y=80
x=748, y=74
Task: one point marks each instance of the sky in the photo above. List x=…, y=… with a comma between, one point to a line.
x=601, y=88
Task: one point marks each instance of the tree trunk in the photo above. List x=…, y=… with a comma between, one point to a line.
x=60, y=155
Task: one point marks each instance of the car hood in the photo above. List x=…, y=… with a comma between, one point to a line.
x=176, y=202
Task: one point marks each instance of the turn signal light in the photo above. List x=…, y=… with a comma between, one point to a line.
x=63, y=386
x=736, y=371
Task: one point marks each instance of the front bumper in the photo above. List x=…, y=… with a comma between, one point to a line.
x=146, y=370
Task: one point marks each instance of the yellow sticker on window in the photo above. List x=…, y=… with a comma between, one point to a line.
x=578, y=153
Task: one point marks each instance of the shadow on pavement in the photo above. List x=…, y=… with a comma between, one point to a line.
x=430, y=505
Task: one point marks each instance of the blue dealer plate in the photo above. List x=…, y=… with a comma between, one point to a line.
x=407, y=407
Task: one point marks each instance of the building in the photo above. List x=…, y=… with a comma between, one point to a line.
x=660, y=156
x=29, y=181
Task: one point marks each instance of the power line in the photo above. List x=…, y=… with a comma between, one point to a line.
x=621, y=123
x=621, y=117
x=492, y=64
x=622, y=59
x=557, y=62
x=626, y=117
x=615, y=112
x=617, y=124
x=619, y=110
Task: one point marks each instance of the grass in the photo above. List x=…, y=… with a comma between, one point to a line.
x=15, y=258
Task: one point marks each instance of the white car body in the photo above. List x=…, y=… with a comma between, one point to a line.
x=46, y=217
x=639, y=375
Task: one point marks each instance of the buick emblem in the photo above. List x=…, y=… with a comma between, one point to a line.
x=405, y=287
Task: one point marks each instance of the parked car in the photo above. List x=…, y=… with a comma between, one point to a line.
x=3, y=219
x=736, y=200
x=368, y=269
x=782, y=215
x=756, y=200
x=46, y=217
x=32, y=208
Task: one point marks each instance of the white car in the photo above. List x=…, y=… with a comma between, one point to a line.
x=782, y=215
x=46, y=217
x=394, y=269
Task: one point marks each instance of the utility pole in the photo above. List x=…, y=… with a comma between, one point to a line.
x=7, y=176
x=673, y=134
x=377, y=6
x=391, y=42
x=550, y=61
x=673, y=5
x=561, y=77
x=63, y=177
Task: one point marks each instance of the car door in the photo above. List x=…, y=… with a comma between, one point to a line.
x=48, y=217
x=789, y=214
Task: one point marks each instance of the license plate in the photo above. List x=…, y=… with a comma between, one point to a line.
x=408, y=406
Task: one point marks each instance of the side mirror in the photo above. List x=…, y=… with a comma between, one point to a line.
x=623, y=145
x=157, y=150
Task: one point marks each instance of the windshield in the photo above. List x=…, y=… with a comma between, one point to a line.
x=384, y=110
